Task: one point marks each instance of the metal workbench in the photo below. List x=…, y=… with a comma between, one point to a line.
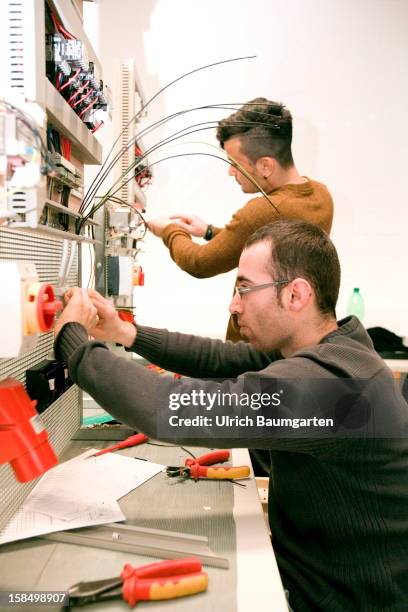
x=230, y=516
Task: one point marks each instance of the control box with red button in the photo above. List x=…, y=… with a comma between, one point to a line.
x=27, y=308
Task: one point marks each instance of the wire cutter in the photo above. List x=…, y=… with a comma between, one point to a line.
x=163, y=580
x=200, y=468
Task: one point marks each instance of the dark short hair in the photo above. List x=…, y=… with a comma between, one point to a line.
x=300, y=249
x=264, y=129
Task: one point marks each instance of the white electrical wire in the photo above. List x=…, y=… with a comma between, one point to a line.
x=63, y=264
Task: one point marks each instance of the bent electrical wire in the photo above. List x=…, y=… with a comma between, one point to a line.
x=106, y=197
x=167, y=141
x=147, y=130
x=224, y=106
x=117, y=200
x=172, y=137
x=159, y=92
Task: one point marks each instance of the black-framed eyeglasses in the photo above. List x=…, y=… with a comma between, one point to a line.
x=240, y=291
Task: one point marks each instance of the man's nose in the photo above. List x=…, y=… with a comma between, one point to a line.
x=232, y=171
x=235, y=306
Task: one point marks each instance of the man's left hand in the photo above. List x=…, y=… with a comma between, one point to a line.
x=157, y=226
x=79, y=309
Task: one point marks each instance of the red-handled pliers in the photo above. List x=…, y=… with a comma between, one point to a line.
x=200, y=467
x=163, y=580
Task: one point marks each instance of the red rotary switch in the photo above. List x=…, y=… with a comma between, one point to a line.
x=47, y=307
x=41, y=308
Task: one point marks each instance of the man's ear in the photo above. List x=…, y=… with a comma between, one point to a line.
x=300, y=294
x=266, y=166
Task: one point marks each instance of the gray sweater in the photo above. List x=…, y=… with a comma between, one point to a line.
x=338, y=506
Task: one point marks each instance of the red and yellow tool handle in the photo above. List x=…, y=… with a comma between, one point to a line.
x=173, y=567
x=167, y=587
x=219, y=473
x=218, y=456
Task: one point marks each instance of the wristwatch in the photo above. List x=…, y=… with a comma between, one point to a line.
x=209, y=232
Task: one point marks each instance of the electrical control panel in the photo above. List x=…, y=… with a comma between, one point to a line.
x=53, y=100
x=121, y=225
x=45, y=140
x=71, y=72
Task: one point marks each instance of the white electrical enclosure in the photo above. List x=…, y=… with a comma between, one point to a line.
x=15, y=278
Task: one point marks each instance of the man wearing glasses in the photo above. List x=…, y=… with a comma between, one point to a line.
x=338, y=502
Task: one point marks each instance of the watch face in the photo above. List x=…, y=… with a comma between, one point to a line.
x=209, y=233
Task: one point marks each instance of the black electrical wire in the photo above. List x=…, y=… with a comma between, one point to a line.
x=224, y=106
x=169, y=139
x=105, y=198
x=213, y=123
x=160, y=91
x=94, y=187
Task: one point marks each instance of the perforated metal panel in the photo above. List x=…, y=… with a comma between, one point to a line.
x=45, y=252
x=124, y=110
x=62, y=418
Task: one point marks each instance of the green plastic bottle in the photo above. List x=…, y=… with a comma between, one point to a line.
x=355, y=304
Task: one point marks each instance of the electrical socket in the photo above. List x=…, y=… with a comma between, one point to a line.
x=46, y=382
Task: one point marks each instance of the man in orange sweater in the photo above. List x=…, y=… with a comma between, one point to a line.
x=257, y=140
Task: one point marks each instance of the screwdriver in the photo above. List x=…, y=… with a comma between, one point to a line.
x=131, y=441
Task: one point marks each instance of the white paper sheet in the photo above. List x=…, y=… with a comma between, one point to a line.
x=72, y=488
x=78, y=493
x=27, y=524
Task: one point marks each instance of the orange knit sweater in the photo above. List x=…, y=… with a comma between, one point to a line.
x=309, y=201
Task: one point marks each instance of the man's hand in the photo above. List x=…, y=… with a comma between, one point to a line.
x=110, y=327
x=78, y=309
x=191, y=224
x=157, y=226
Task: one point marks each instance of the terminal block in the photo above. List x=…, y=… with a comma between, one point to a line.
x=64, y=172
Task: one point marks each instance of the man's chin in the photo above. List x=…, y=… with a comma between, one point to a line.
x=245, y=334
x=251, y=339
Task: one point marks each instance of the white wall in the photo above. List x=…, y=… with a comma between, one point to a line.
x=341, y=67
